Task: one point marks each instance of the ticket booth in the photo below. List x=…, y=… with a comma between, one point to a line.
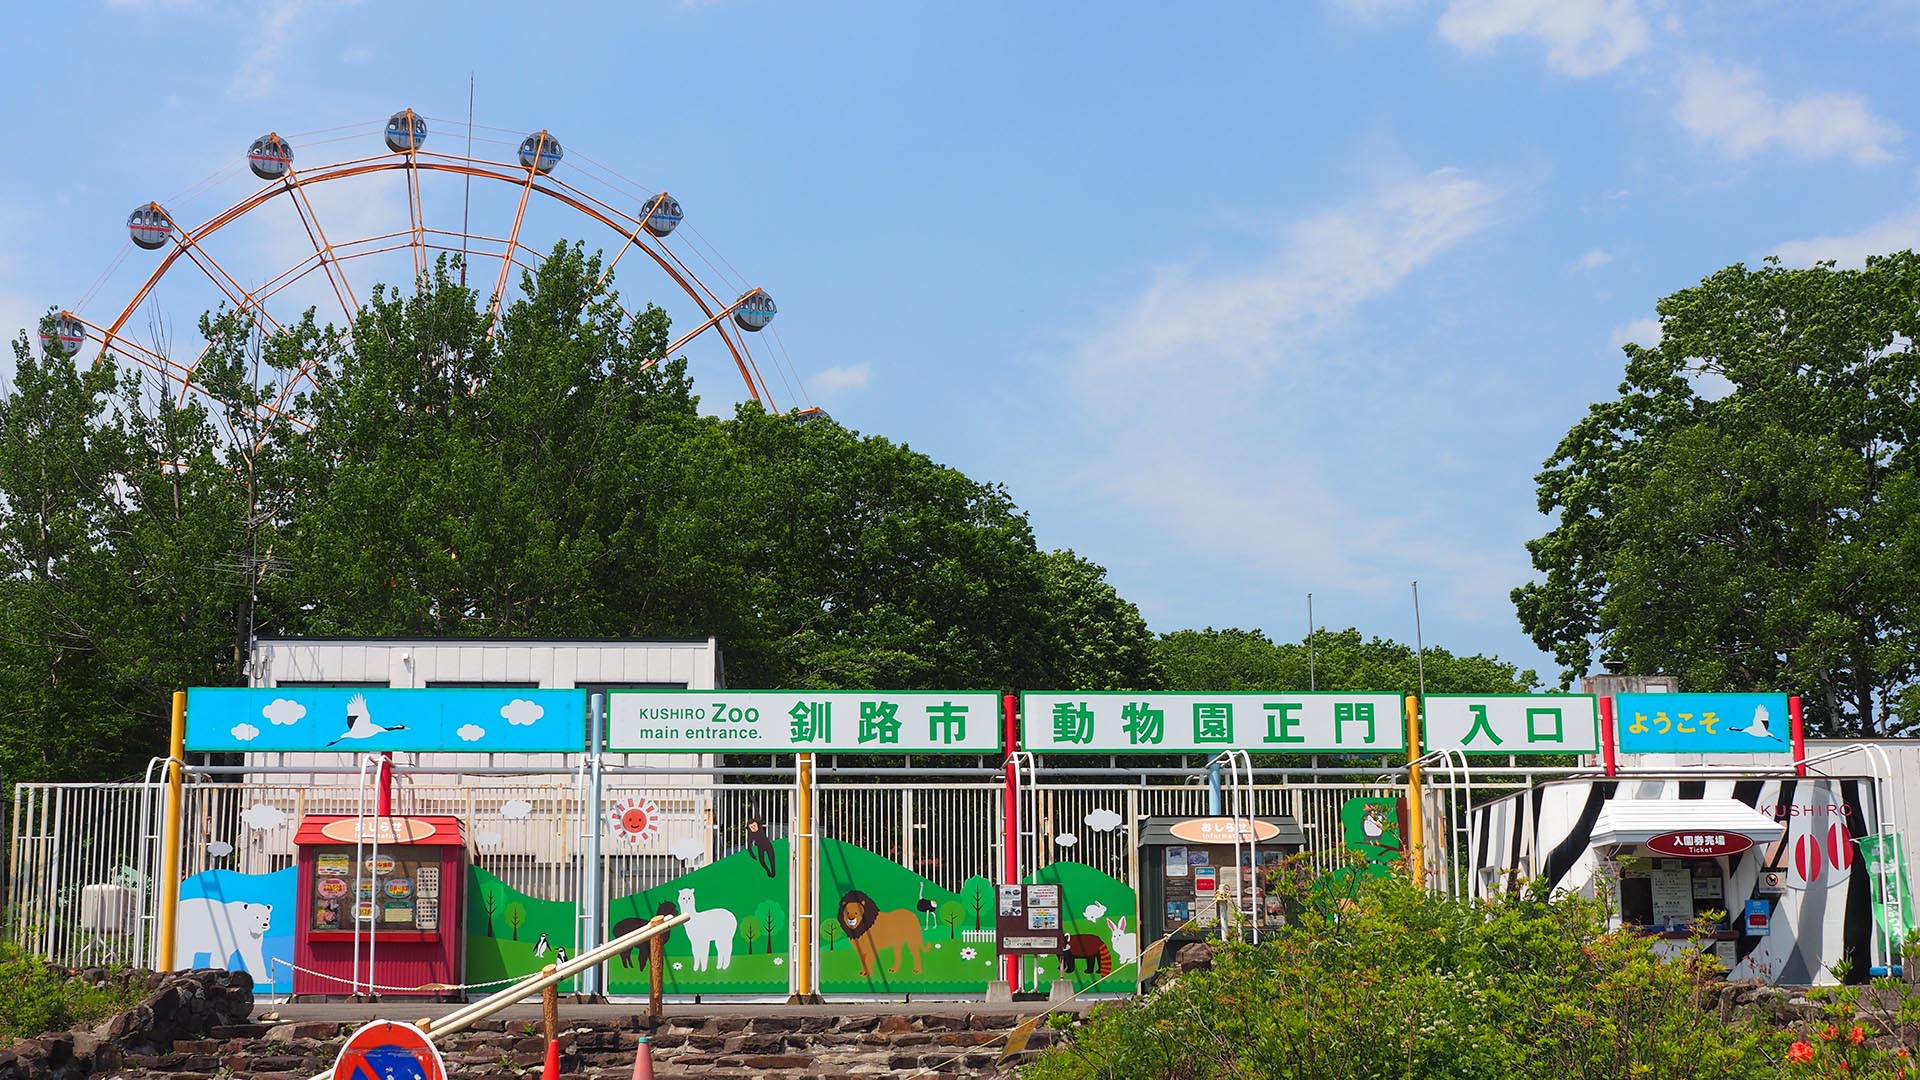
x=1673, y=864
x=380, y=902
x=1198, y=869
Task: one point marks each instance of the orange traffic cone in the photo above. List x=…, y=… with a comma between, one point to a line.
x=643, y=1059
x=552, y=1069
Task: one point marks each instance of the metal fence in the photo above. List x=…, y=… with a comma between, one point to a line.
x=83, y=858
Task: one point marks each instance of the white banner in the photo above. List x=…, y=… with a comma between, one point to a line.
x=1512, y=723
x=794, y=721
x=1261, y=722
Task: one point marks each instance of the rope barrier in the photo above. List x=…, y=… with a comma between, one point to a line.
x=438, y=987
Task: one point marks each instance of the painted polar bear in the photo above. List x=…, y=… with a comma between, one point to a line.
x=216, y=929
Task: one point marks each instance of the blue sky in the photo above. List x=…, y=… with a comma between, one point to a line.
x=1240, y=300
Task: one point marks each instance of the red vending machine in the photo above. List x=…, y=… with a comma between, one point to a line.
x=392, y=883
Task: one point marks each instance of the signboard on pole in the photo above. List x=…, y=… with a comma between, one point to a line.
x=1114, y=722
x=1703, y=723
x=1512, y=723
x=226, y=719
x=803, y=721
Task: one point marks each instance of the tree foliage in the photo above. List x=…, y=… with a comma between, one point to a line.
x=1341, y=660
x=547, y=478
x=1765, y=536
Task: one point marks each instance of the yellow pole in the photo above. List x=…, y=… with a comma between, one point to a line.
x=1416, y=819
x=802, y=857
x=169, y=883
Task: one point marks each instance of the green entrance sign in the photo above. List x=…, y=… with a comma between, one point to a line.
x=803, y=721
x=1512, y=723
x=1116, y=722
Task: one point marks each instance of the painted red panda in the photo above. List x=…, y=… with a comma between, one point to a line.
x=1077, y=947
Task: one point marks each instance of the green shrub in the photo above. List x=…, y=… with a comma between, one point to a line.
x=1376, y=978
x=35, y=997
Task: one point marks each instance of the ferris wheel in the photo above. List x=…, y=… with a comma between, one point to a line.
x=293, y=234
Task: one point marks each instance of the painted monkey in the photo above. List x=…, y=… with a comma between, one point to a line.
x=761, y=847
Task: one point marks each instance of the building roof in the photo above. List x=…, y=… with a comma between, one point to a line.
x=1635, y=821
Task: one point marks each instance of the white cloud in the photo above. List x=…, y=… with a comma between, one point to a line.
x=520, y=712
x=219, y=849
x=1582, y=37
x=471, y=732
x=1643, y=332
x=1727, y=107
x=834, y=380
x=282, y=712
x=515, y=809
x=263, y=816
x=255, y=78
x=687, y=850
x=1234, y=361
x=1102, y=820
x=245, y=732
x=1375, y=9
x=1897, y=233
x=1066, y=839
x=487, y=839
x=1593, y=260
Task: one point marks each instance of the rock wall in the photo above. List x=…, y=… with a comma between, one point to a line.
x=182, y=1005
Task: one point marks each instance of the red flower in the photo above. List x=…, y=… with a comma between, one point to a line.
x=1832, y=1031
x=1801, y=1051
x=1857, y=1035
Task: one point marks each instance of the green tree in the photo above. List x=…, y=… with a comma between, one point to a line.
x=516, y=915
x=1766, y=535
x=751, y=931
x=1342, y=660
x=773, y=917
x=432, y=473
x=951, y=916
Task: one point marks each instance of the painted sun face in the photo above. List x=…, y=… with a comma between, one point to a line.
x=635, y=820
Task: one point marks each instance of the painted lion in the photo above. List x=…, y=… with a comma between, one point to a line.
x=871, y=930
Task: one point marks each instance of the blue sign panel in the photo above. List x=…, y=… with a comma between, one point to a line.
x=479, y=721
x=1702, y=723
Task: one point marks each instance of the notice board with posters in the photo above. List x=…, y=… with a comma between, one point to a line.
x=1027, y=919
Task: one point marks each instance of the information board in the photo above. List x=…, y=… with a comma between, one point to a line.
x=1027, y=919
x=1058, y=722
x=795, y=721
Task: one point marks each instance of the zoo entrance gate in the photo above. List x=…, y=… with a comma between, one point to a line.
x=84, y=865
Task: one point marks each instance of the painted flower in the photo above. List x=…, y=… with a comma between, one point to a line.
x=1858, y=1035
x=779, y=961
x=1801, y=1051
x=968, y=953
x=676, y=965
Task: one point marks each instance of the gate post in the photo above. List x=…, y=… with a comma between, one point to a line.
x=170, y=834
x=803, y=885
x=594, y=902
x=1010, y=853
x=1416, y=810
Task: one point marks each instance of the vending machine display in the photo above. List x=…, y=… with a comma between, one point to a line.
x=381, y=896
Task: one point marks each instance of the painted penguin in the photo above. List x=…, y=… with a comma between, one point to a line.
x=540, y=947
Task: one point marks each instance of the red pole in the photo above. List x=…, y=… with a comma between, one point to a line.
x=384, y=808
x=1607, y=754
x=1010, y=859
x=1799, y=735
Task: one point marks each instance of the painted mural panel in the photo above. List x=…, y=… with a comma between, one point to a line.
x=239, y=922
x=1100, y=915
x=511, y=935
x=736, y=940
x=887, y=930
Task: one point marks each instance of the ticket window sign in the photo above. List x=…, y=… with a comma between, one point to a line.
x=1027, y=919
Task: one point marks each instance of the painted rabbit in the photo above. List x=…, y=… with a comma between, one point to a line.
x=1125, y=948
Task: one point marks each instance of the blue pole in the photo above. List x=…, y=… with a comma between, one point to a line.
x=596, y=740
x=1215, y=804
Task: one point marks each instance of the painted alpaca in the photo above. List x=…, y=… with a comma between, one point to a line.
x=1088, y=947
x=713, y=928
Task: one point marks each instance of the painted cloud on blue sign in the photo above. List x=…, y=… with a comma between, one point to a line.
x=471, y=733
x=520, y=712
x=245, y=732
x=283, y=712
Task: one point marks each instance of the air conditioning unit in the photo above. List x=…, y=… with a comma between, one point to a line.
x=108, y=909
